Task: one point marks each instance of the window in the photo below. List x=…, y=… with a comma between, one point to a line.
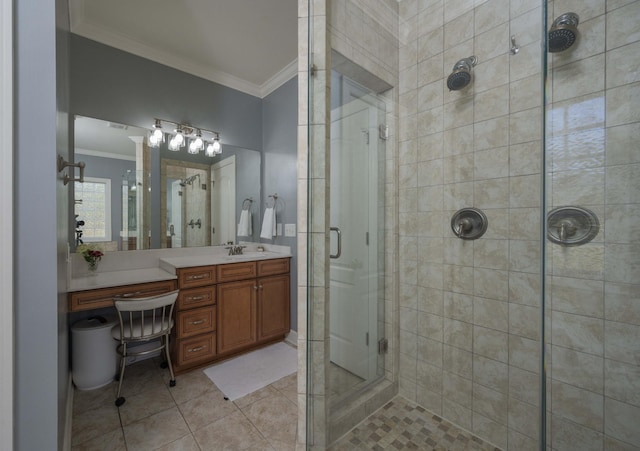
x=93, y=206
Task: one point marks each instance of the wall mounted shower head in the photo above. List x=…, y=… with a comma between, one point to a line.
x=563, y=32
x=461, y=75
x=189, y=180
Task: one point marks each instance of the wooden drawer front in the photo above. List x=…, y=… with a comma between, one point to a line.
x=196, y=297
x=236, y=271
x=196, y=277
x=275, y=266
x=195, y=350
x=103, y=297
x=196, y=321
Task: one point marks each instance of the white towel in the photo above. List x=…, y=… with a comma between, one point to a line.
x=244, y=226
x=268, y=224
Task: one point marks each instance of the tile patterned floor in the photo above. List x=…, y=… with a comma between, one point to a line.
x=401, y=424
x=193, y=415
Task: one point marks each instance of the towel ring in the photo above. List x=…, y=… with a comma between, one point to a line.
x=246, y=204
x=275, y=200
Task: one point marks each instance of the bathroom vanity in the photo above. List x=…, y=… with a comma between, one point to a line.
x=227, y=304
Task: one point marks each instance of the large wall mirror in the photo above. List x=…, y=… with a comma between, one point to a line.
x=137, y=197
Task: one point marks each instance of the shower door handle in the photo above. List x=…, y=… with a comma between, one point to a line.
x=337, y=230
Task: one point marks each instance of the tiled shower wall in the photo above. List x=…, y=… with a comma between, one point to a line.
x=469, y=313
x=469, y=310
x=594, y=162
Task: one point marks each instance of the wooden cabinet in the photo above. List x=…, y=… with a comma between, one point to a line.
x=255, y=310
x=193, y=339
x=103, y=297
x=237, y=318
x=273, y=306
x=228, y=309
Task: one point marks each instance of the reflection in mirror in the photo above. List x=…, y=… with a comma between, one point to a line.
x=198, y=200
x=186, y=206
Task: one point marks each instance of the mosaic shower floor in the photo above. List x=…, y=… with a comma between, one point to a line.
x=401, y=424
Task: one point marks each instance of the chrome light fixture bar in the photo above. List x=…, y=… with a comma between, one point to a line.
x=183, y=134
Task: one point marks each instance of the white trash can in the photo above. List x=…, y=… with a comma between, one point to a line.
x=94, y=358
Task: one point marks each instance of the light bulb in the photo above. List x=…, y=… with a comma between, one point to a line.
x=217, y=148
x=210, y=152
x=173, y=144
x=193, y=147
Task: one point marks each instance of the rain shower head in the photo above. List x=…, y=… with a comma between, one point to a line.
x=563, y=32
x=189, y=180
x=461, y=75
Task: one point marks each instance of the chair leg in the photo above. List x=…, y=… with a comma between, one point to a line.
x=123, y=360
x=172, y=382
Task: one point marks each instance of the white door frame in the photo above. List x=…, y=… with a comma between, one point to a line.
x=6, y=223
x=216, y=185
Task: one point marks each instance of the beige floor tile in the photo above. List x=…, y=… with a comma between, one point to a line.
x=94, y=423
x=285, y=381
x=255, y=396
x=186, y=443
x=141, y=376
x=111, y=441
x=275, y=417
x=290, y=392
x=206, y=409
x=189, y=386
x=145, y=404
x=233, y=432
x=155, y=431
x=84, y=400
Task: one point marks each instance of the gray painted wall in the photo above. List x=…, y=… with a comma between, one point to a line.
x=110, y=84
x=41, y=337
x=280, y=169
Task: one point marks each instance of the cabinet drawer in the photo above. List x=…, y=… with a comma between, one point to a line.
x=103, y=297
x=196, y=297
x=196, y=321
x=197, y=276
x=236, y=271
x=196, y=350
x=275, y=266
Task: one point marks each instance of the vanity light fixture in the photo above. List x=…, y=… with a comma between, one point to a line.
x=156, y=136
x=214, y=148
x=183, y=134
x=196, y=144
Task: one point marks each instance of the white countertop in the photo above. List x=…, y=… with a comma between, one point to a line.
x=108, y=279
x=172, y=263
x=164, y=268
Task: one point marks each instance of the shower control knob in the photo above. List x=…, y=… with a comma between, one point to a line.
x=469, y=223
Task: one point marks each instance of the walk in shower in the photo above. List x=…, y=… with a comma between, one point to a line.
x=527, y=335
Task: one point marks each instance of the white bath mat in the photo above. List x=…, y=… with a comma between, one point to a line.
x=247, y=373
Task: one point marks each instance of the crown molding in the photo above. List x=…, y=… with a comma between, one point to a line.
x=284, y=75
x=98, y=153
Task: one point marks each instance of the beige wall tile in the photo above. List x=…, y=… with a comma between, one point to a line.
x=577, y=332
x=457, y=389
x=620, y=104
x=580, y=406
x=457, y=361
x=491, y=313
x=620, y=144
x=490, y=283
x=490, y=403
x=578, y=368
x=524, y=321
x=622, y=381
x=459, y=414
x=580, y=296
x=491, y=373
x=622, y=263
x=491, y=343
x=458, y=306
x=491, y=163
x=621, y=421
x=623, y=184
x=582, y=77
x=524, y=288
x=567, y=435
x=490, y=14
x=623, y=26
x=495, y=433
x=524, y=386
x=622, y=302
x=622, y=342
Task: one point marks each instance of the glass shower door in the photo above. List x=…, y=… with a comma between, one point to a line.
x=354, y=244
